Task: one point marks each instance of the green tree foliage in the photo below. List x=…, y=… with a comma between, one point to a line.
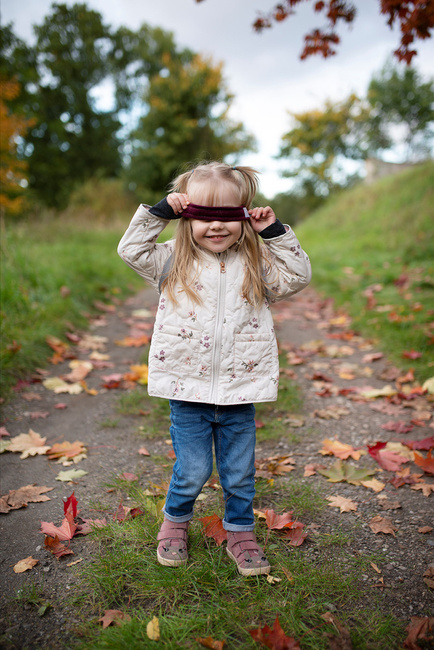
x=400, y=98
x=187, y=119
x=76, y=56
x=321, y=140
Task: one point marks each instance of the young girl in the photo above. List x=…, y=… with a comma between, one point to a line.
x=213, y=351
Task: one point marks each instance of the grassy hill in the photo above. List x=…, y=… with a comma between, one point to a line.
x=372, y=250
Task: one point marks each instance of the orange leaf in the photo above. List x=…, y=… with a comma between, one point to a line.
x=339, y=449
x=427, y=463
x=274, y=638
x=273, y=520
x=56, y=547
x=213, y=527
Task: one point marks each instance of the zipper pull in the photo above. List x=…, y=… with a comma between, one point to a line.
x=222, y=267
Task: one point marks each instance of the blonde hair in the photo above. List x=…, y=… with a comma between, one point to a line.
x=210, y=181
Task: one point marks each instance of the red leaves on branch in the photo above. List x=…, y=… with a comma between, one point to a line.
x=414, y=17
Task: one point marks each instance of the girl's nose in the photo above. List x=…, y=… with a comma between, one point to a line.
x=216, y=225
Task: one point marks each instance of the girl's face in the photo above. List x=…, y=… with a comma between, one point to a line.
x=215, y=236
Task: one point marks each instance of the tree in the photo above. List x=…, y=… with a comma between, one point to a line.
x=187, y=119
x=400, y=98
x=12, y=170
x=321, y=140
x=415, y=19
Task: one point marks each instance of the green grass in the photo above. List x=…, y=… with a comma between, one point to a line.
x=39, y=258
x=381, y=236
x=208, y=597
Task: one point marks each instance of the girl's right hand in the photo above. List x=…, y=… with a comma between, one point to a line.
x=178, y=202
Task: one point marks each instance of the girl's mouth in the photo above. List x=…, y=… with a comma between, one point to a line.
x=216, y=237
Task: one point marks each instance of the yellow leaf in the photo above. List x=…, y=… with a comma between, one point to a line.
x=153, y=629
x=429, y=385
x=374, y=484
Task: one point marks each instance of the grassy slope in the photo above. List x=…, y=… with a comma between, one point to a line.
x=381, y=237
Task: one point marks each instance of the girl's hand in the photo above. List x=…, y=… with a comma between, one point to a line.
x=178, y=202
x=260, y=218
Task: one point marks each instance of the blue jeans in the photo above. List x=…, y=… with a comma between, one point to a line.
x=195, y=426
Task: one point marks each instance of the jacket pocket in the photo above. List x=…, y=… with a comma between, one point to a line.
x=255, y=356
x=175, y=350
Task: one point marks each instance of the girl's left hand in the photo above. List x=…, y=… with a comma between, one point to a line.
x=260, y=218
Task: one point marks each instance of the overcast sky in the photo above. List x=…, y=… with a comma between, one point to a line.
x=263, y=71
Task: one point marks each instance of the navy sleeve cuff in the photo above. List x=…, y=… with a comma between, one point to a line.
x=163, y=210
x=274, y=230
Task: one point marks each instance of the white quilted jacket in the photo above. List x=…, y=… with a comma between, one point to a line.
x=222, y=351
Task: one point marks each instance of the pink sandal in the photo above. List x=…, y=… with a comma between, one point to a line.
x=249, y=556
x=172, y=549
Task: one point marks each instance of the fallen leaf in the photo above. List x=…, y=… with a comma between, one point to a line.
x=55, y=546
x=426, y=488
x=398, y=426
x=429, y=576
x=340, y=450
x=375, y=567
x=79, y=370
x=295, y=535
x=35, y=415
x=373, y=484
x=427, y=463
x=89, y=525
x=113, y=616
x=345, y=505
x=388, y=460
x=143, y=451
x=134, y=341
x=209, y=642
x=128, y=476
x=21, y=497
x=422, y=445
x=274, y=637
x=62, y=451
x=153, y=629
x=70, y=475
x=64, y=532
x=277, y=522
x=30, y=444
x=428, y=385
x=311, y=468
x=332, y=412
x=25, y=565
x=418, y=629
x=341, y=642
x=213, y=527
x=372, y=393
x=60, y=386
x=379, y=524
x=425, y=529
x=341, y=471
x=80, y=559
x=31, y=397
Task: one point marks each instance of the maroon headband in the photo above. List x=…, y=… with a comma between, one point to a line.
x=211, y=213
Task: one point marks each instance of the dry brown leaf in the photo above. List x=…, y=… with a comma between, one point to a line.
x=345, y=505
x=114, y=616
x=25, y=565
x=30, y=444
x=332, y=412
x=426, y=488
x=379, y=524
x=20, y=498
x=310, y=469
x=425, y=529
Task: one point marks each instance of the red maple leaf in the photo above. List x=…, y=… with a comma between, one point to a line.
x=274, y=638
x=275, y=521
x=425, y=444
x=388, y=460
x=64, y=532
x=295, y=534
x=70, y=505
x=213, y=527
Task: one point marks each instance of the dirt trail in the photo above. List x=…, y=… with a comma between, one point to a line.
x=114, y=449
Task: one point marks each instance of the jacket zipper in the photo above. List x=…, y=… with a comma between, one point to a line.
x=218, y=331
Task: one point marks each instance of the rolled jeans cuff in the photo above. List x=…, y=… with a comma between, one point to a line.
x=178, y=520
x=236, y=528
